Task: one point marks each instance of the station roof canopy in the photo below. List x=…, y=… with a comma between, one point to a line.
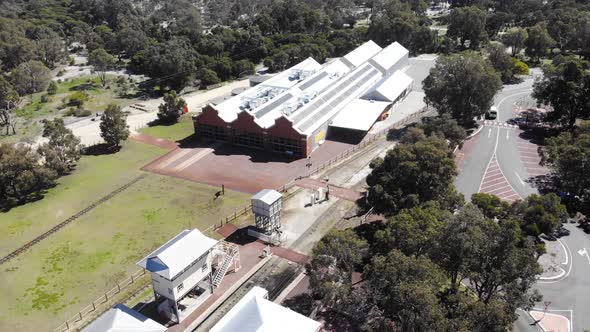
x=177, y=254
x=123, y=319
x=390, y=88
x=360, y=114
x=254, y=313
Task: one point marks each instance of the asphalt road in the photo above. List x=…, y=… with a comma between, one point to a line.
x=569, y=295
x=495, y=164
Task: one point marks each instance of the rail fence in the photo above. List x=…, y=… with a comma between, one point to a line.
x=100, y=305
x=71, y=219
x=96, y=307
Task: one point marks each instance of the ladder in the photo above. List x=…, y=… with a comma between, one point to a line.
x=230, y=252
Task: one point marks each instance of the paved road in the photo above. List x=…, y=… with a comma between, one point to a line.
x=496, y=162
x=569, y=295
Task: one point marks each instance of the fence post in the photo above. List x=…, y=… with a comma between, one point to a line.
x=67, y=326
x=118, y=288
x=106, y=298
x=93, y=307
x=132, y=280
x=80, y=313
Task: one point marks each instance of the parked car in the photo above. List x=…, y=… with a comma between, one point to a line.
x=562, y=231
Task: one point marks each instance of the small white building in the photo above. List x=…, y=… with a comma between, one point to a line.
x=181, y=272
x=255, y=313
x=121, y=318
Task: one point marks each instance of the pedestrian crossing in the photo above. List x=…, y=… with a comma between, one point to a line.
x=500, y=124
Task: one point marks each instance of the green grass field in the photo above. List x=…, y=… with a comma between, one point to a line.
x=175, y=132
x=65, y=272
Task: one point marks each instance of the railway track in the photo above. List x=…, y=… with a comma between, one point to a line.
x=71, y=219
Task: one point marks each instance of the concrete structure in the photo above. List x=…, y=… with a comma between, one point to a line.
x=182, y=273
x=292, y=111
x=255, y=313
x=121, y=318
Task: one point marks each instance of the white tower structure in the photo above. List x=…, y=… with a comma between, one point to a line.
x=266, y=206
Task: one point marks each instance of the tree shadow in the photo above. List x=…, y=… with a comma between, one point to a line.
x=545, y=183
x=100, y=149
x=84, y=87
x=302, y=303
x=7, y=204
x=159, y=122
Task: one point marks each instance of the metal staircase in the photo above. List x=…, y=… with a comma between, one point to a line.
x=231, y=254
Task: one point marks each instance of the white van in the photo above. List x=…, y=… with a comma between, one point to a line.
x=492, y=114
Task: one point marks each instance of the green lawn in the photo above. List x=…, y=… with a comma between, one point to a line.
x=175, y=132
x=65, y=272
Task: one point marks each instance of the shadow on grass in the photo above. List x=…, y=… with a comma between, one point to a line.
x=100, y=149
x=7, y=204
x=85, y=87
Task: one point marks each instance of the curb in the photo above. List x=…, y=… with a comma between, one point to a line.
x=476, y=132
x=553, y=278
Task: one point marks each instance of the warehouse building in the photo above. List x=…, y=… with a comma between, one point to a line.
x=294, y=111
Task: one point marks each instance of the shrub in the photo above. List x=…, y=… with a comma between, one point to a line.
x=52, y=88
x=77, y=98
x=519, y=67
x=44, y=98
x=61, y=72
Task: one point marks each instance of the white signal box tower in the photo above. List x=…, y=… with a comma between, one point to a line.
x=266, y=206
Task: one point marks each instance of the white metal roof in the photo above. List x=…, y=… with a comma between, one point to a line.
x=329, y=103
x=390, y=88
x=123, y=319
x=178, y=253
x=362, y=53
x=267, y=196
x=389, y=57
x=229, y=109
x=254, y=313
x=360, y=114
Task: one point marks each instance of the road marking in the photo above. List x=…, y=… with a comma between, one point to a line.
x=583, y=252
x=489, y=132
x=545, y=313
x=519, y=178
x=569, y=270
x=507, y=134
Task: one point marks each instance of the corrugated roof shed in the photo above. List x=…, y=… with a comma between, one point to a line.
x=360, y=114
x=389, y=56
x=267, y=196
x=390, y=88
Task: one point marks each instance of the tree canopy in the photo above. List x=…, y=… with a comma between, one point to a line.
x=113, y=126
x=463, y=85
x=412, y=173
x=565, y=86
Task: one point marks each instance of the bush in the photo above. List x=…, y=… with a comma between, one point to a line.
x=208, y=76
x=77, y=99
x=61, y=72
x=52, y=88
x=44, y=98
x=519, y=67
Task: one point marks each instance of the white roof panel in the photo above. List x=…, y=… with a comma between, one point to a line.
x=362, y=53
x=254, y=313
x=360, y=114
x=389, y=57
x=123, y=319
x=390, y=88
x=178, y=253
